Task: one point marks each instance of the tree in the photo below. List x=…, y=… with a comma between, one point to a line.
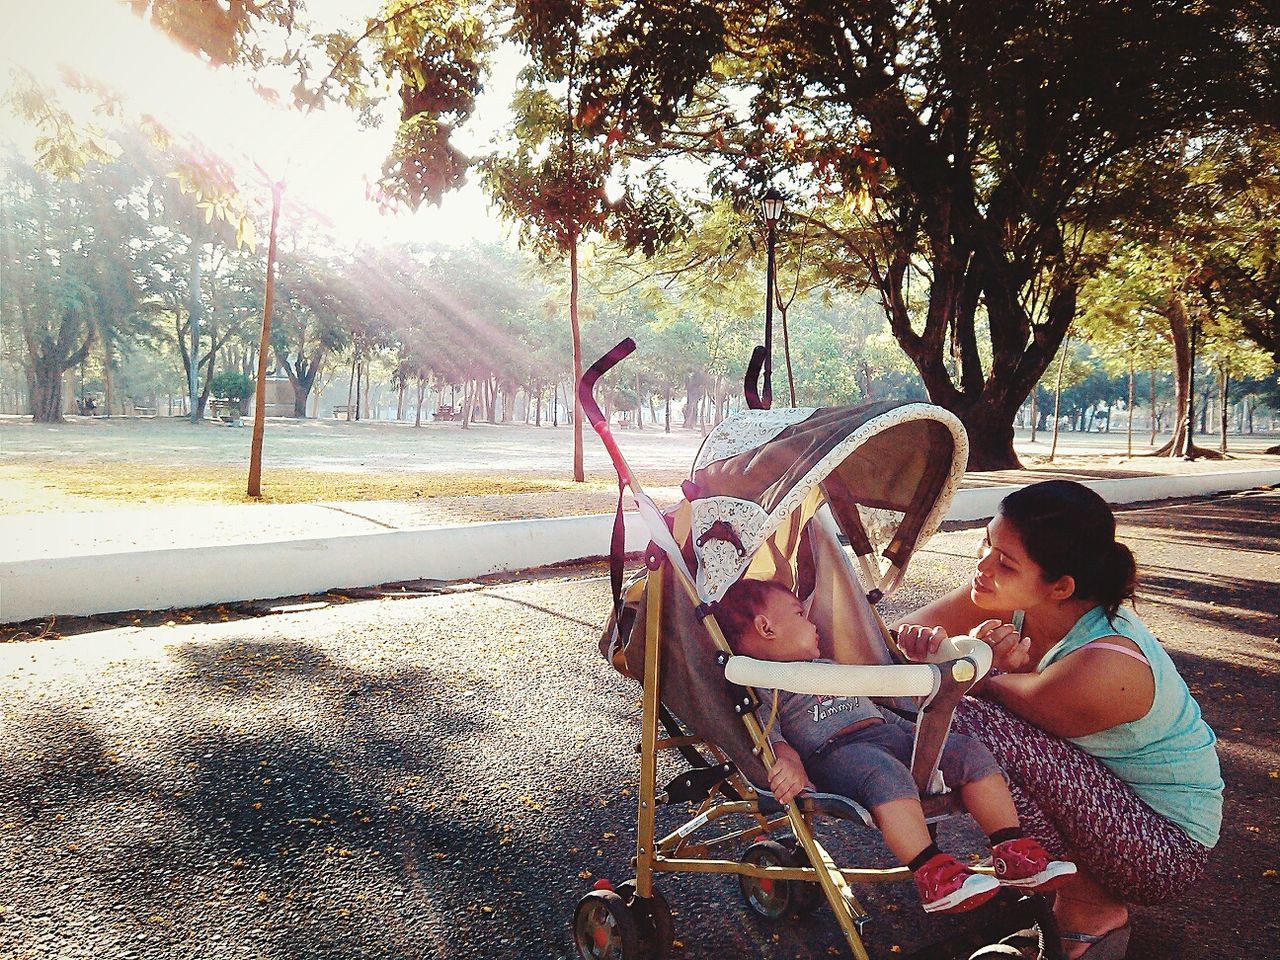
x=553, y=185
x=1243, y=257
x=68, y=278
x=312, y=301
x=975, y=144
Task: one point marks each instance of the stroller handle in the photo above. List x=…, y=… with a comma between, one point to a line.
x=586, y=396
x=587, y=386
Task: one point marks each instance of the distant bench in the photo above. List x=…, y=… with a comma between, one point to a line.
x=446, y=413
x=226, y=410
x=143, y=411
x=342, y=411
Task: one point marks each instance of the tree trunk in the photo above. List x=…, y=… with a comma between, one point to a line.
x=351, y=385
x=1152, y=386
x=668, y=409
x=193, y=369
x=1225, y=381
x=1180, y=334
x=786, y=351
x=1057, y=397
x=1035, y=416
x=695, y=387
x=260, y=411
x=45, y=388
x=107, y=378
x=422, y=392
x=468, y=401
x=579, y=475
x=1130, y=408
x=400, y=400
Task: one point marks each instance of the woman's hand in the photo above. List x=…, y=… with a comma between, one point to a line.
x=787, y=777
x=1010, y=651
x=919, y=643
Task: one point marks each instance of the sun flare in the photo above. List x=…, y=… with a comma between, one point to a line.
x=325, y=159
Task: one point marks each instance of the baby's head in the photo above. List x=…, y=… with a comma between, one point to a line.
x=763, y=619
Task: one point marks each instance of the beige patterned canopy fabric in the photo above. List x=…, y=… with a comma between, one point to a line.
x=888, y=470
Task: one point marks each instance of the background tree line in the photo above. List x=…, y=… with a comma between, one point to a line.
x=1000, y=184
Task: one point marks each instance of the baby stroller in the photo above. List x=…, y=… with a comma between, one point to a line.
x=770, y=495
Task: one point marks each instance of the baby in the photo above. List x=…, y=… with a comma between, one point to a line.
x=849, y=746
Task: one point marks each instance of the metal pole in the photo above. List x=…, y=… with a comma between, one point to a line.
x=1189, y=453
x=193, y=373
x=767, y=394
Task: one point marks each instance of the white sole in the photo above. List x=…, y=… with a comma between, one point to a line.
x=1053, y=874
x=980, y=893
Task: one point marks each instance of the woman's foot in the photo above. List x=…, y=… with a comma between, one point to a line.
x=1085, y=909
x=1113, y=945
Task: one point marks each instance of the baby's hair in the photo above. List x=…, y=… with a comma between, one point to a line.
x=740, y=604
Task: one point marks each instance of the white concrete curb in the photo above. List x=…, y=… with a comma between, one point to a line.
x=199, y=576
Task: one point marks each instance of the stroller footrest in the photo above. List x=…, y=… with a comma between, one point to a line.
x=832, y=805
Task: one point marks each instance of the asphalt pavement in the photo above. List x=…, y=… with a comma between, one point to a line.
x=441, y=772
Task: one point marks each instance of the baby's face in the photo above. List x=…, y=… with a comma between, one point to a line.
x=788, y=634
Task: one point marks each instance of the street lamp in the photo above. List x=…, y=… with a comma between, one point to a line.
x=771, y=205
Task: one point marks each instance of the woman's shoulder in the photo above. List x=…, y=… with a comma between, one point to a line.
x=1122, y=632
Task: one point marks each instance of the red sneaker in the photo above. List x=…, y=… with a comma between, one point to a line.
x=1024, y=864
x=948, y=886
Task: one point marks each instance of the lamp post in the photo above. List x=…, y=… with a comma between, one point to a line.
x=771, y=206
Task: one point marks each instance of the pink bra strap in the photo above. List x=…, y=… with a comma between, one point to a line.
x=1099, y=645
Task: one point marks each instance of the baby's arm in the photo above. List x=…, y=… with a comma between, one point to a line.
x=787, y=777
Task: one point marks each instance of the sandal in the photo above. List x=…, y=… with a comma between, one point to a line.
x=1107, y=946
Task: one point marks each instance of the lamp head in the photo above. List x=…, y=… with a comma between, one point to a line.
x=771, y=204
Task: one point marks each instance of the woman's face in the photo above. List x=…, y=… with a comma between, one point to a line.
x=1007, y=578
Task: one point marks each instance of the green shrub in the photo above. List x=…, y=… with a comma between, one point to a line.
x=229, y=385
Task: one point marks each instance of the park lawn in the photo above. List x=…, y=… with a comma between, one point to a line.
x=43, y=486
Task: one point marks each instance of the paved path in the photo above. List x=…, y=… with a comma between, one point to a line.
x=442, y=775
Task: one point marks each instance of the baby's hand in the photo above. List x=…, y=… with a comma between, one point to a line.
x=787, y=777
x=1010, y=651
x=919, y=643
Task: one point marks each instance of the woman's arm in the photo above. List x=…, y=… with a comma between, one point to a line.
x=1080, y=694
x=955, y=612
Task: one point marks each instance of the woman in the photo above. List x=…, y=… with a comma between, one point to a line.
x=1109, y=760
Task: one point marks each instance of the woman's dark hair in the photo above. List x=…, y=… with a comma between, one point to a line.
x=740, y=604
x=1068, y=530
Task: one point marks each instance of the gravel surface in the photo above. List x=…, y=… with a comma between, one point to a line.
x=442, y=775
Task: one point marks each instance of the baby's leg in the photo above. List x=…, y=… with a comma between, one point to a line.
x=989, y=803
x=902, y=825
x=867, y=770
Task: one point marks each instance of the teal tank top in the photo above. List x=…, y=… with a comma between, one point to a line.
x=1168, y=756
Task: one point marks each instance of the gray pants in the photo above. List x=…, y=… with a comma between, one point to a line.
x=872, y=766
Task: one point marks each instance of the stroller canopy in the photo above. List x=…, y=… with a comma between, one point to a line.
x=888, y=471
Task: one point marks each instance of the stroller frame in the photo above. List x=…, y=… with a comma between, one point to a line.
x=940, y=685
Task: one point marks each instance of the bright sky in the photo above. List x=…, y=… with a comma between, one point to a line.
x=324, y=157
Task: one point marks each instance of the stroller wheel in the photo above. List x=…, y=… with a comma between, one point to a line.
x=807, y=895
x=653, y=921
x=604, y=928
x=769, y=898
